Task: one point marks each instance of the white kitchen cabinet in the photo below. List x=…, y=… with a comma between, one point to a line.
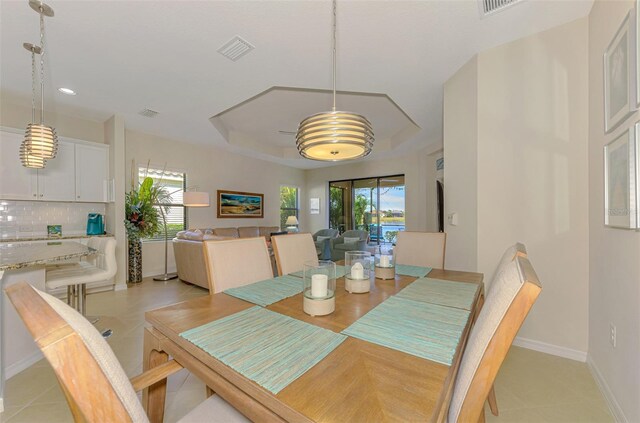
x=56, y=182
x=79, y=172
x=16, y=182
x=92, y=173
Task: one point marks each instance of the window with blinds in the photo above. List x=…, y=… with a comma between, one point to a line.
x=175, y=213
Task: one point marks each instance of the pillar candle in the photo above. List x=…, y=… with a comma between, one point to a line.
x=384, y=260
x=319, y=286
x=357, y=271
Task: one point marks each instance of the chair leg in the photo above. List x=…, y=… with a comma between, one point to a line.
x=210, y=392
x=481, y=417
x=493, y=403
x=81, y=296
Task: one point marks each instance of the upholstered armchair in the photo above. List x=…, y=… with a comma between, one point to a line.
x=349, y=241
x=322, y=240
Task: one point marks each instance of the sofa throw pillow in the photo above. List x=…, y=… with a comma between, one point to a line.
x=211, y=237
x=180, y=235
x=194, y=235
x=348, y=240
x=322, y=238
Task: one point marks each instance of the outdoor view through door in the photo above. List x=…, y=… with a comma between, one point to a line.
x=375, y=205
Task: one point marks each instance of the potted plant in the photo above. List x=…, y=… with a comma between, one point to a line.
x=142, y=220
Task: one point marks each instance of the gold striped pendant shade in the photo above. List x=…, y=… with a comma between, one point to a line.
x=41, y=141
x=29, y=160
x=334, y=136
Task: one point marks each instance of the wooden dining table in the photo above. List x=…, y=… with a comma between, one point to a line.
x=358, y=381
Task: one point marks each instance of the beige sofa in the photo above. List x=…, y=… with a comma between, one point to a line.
x=189, y=254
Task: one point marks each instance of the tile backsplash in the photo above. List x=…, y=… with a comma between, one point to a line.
x=30, y=218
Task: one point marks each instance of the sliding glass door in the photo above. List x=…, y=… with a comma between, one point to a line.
x=375, y=205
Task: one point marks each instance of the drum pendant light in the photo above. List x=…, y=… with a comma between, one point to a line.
x=335, y=135
x=40, y=140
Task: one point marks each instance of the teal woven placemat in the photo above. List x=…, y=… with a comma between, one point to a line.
x=340, y=272
x=425, y=330
x=415, y=271
x=269, y=348
x=438, y=291
x=268, y=291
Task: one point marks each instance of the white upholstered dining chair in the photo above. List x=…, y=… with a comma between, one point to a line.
x=420, y=248
x=236, y=262
x=94, y=383
x=292, y=251
x=507, y=304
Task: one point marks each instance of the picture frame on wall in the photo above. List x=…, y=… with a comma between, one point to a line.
x=314, y=205
x=238, y=204
x=619, y=77
x=620, y=180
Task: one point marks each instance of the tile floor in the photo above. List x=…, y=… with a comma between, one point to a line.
x=531, y=386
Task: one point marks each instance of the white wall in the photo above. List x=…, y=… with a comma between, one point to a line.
x=414, y=167
x=210, y=169
x=431, y=206
x=613, y=253
x=531, y=183
x=461, y=167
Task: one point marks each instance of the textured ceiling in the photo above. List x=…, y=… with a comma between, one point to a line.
x=124, y=56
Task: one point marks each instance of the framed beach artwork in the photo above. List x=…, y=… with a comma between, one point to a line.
x=619, y=79
x=236, y=204
x=620, y=180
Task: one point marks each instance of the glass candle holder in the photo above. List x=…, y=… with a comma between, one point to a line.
x=319, y=294
x=358, y=264
x=385, y=266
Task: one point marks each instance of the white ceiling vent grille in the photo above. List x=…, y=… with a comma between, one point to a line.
x=235, y=48
x=148, y=113
x=489, y=7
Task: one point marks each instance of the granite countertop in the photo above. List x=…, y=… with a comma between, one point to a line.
x=48, y=238
x=19, y=255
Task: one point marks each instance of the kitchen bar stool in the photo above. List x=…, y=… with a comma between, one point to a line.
x=98, y=267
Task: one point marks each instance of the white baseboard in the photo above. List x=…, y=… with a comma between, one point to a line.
x=551, y=349
x=1, y=405
x=21, y=365
x=614, y=407
x=120, y=287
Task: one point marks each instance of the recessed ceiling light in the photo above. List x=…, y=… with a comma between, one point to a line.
x=67, y=91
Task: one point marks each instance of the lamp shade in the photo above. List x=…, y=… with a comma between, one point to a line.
x=41, y=141
x=195, y=199
x=291, y=220
x=29, y=160
x=334, y=136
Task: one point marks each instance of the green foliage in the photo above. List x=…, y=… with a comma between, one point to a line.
x=336, y=204
x=359, y=208
x=142, y=219
x=288, y=197
x=390, y=236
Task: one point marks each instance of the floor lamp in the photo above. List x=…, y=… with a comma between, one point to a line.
x=189, y=199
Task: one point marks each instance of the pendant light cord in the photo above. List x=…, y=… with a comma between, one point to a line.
x=33, y=85
x=41, y=66
x=334, y=55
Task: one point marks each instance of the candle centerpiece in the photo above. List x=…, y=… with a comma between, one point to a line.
x=385, y=267
x=358, y=264
x=319, y=297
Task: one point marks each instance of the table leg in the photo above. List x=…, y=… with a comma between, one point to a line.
x=153, y=397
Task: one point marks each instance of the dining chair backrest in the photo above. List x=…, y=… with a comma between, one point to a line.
x=292, y=251
x=105, y=257
x=93, y=381
x=505, y=308
x=236, y=262
x=516, y=250
x=420, y=248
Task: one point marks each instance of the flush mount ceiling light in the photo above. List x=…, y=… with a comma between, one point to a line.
x=40, y=141
x=67, y=91
x=335, y=135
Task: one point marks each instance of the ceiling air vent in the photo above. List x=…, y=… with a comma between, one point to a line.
x=235, y=48
x=148, y=113
x=489, y=7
